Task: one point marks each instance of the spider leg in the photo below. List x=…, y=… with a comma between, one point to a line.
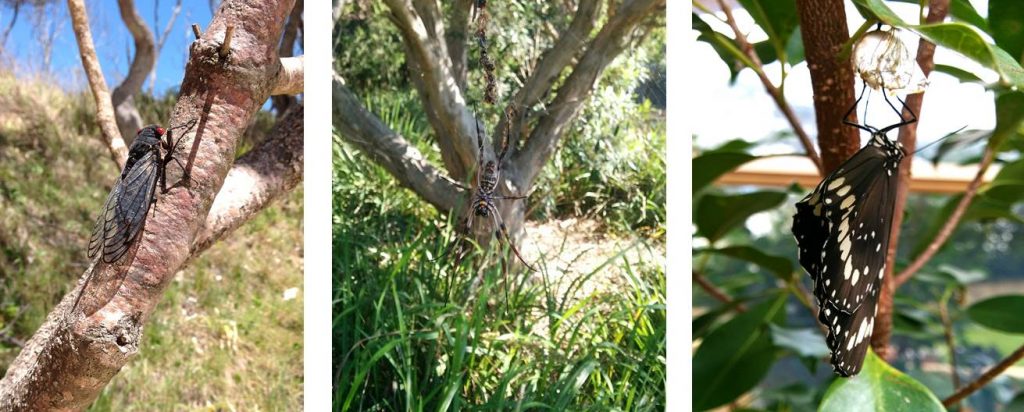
x=502, y=231
x=456, y=183
x=460, y=234
x=853, y=109
x=503, y=197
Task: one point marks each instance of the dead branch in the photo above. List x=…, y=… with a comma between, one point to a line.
x=66, y=364
x=104, y=109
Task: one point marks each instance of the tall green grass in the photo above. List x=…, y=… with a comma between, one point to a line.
x=414, y=334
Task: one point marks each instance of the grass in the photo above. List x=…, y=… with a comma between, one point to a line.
x=412, y=334
x=223, y=338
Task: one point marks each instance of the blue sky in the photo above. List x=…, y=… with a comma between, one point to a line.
x=114, y=44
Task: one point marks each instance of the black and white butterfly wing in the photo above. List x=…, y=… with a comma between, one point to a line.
x=126, y=209
x=842, y=231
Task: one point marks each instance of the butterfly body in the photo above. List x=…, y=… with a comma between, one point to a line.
x=842, y=231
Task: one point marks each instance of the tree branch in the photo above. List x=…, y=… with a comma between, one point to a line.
x=774, y=92
x=385, y=147
x=283, y=101
x=951, y=224
x=104, y=110
x=456, y=38
x=717, y=293
x=162, y=39
x=454, y=125
x=985, y=378
x=609, y=42
x=266, y=172
x=289, y=80
x=128, y=118
x=937, y=10
x=553, y=63
x=73, y=356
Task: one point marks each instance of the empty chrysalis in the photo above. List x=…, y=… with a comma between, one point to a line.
x=884, y=62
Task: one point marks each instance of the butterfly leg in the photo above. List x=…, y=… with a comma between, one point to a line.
x=853, y=109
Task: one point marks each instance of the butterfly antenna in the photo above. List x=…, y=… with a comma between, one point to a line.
x=921, y=149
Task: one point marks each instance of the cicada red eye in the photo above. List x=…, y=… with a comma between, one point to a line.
x=137, y=131
x=160, y=131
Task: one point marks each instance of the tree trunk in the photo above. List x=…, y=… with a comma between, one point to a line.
x=73, y=356
x=823, y=29
x=436, y=57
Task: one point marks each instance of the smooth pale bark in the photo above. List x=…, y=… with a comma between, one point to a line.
x=73, y=356
x=101, y=94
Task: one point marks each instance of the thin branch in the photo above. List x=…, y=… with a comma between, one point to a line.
x=609, y=42
x=985, y=378
x=776, y=94
x=10, y=26
x=717, y=293
x=289, y=80
x=104, y=109
x=160, y=40
x=225, y=47
x=937, y=10
x=553, y=62
x=387, y=148
x=954, y=220
x=947, y=329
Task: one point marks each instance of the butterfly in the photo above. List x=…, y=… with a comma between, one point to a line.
x=842, y=232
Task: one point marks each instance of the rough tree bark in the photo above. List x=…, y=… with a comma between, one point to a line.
x=823, y=30
x=431, y=53
x=72, y=357
x=123, y=97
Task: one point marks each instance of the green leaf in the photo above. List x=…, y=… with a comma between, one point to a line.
x=1006, y=21
x=1009, y=114
x=718, y=214
x=1000, y=313
x=709, y=167
x=777, y=18
x=952, y=275
x=958, y=37
x=962, y=75
x=779, y=266
x=804, y=342
x=879, y=387
x=736, y=356
x=963, y=10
